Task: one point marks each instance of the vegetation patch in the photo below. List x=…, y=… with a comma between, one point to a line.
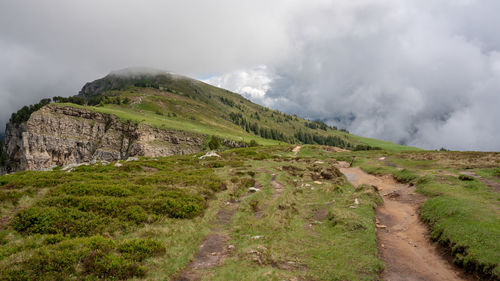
x=77, y=229
x=463, y=217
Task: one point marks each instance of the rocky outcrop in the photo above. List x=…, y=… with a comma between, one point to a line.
x=61, y=135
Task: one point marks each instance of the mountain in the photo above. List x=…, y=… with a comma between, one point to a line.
x=144, y=112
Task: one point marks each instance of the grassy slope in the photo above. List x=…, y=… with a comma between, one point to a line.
x=464, y=216
x=124, y=223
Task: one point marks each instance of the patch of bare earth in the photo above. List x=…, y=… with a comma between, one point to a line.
x=214, y=249
x=278, y=187
x=212, y=252
x=335, y=149
x=403, y=240
x=296, y=149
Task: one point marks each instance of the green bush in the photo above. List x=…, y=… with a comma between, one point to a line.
x=186, y=208
x=110, y=266
x=98, y=199
x=89, y=258
x=54, y=221
x=253, y=143
x=139, y=249
x=136, y=214
x=214, y=143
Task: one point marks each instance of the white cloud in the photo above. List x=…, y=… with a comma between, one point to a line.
x=406, y=71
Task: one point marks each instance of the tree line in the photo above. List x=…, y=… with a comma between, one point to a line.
x=303, y=137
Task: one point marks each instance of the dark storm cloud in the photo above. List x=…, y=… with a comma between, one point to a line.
x=424, y=73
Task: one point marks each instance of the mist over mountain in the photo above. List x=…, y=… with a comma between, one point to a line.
x=415, y=72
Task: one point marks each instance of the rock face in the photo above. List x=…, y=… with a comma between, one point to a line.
x=63, y=135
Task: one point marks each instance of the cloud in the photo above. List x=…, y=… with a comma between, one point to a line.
x=423, y=73
x=415, y=72
x=251, y=83
x=53, y=47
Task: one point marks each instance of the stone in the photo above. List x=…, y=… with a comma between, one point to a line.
x=59, y=135
x=253, y=189
x=210, y=154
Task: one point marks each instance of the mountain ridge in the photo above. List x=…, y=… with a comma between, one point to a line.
x=162, y=104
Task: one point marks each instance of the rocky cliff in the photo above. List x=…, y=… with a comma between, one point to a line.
x=59, y=135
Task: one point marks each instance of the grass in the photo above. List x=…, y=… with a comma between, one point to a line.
x=293, y=243
x=197, y=126
x=145, y=219
x=464, y=217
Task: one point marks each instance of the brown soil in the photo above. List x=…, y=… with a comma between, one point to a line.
x=278, y=187
x=296, y=149
x=403, y=240
x=212, y=252
x=214, y=248
x=320, y=214
x=335, y=149
x=149, y=169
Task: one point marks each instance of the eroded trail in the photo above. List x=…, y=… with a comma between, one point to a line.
x=214, y=248
x=403, y=240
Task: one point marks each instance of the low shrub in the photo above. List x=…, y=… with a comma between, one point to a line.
x=214, y=143
x=139, y=249
x=404, y=176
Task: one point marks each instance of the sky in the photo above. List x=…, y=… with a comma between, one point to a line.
x=418, y=72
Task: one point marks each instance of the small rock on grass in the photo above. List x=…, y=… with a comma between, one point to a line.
x=253, y=189
x=210, y=154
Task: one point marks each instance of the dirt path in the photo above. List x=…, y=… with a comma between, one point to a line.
x=403, y=240
x=214, y=248
x=278, y=187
